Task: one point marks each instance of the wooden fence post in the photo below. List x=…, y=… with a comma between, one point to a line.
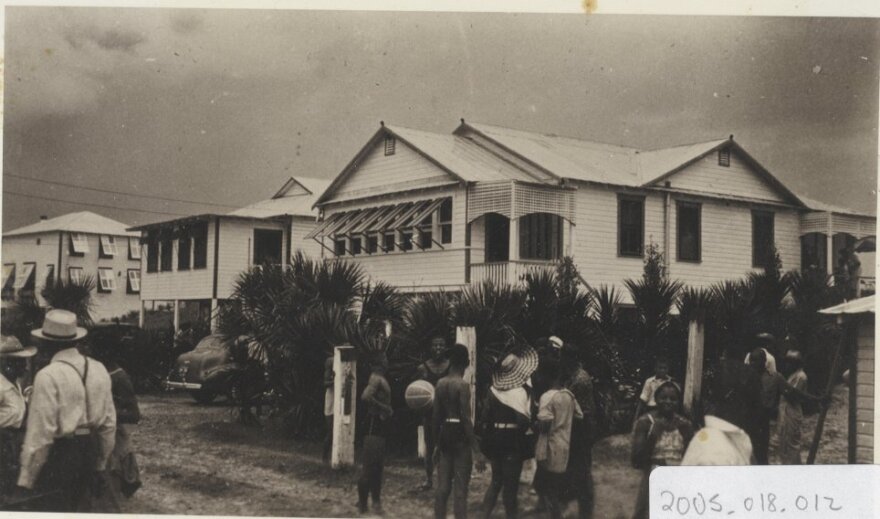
x=467, y=335
x=694, y=376
x=344, y=405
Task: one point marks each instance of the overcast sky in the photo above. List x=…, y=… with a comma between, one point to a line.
x=223, y=106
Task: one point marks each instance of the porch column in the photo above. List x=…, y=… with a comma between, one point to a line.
x=829, y=248
x=142, y=310
x=176, y=316
x=513, y=251
x=215, y=315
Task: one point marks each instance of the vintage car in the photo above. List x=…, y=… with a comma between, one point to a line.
x=205, y=371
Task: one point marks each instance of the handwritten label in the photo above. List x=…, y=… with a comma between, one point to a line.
x=817, y=491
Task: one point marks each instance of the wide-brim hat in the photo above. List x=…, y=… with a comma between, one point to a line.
x=10, y=346
x=59, y=326
x=515, y=370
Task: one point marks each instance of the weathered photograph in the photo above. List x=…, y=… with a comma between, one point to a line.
x=313, y=263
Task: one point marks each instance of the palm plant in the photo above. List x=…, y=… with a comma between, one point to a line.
x=771, y=288
x=653, y=295
x=424, y=317
x=606, y=301
x=74, y=296
x=735, y=314
x=22, y=316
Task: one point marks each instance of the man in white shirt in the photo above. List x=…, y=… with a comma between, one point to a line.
x=71, y=424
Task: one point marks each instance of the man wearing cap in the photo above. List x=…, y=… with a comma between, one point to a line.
x=71, y=425
x=13, y=406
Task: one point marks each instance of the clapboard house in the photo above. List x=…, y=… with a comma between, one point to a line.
x=192, y=263
x=428, y=211
x=72, y=247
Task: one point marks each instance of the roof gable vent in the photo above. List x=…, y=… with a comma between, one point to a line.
x=390, y=143
x=724, y=157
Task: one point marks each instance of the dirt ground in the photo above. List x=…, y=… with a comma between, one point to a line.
x=195, y=460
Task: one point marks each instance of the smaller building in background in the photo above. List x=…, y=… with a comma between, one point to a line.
x=71, y=247
x=193, y=263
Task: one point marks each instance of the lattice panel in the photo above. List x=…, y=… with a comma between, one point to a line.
x=846, y=224
x=528, y=199
x=489, y=197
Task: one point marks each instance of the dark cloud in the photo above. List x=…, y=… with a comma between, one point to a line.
x=110, y=39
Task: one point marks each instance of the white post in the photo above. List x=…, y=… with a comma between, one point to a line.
x=176, y=316
x=467, y=335
x=513, y=251
x=344, y=405
x=694, y=375
x=142, y=314
x=829, y=249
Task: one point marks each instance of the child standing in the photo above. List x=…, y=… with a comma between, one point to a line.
x=659, y=438
x=556, y=411
x=647, y=401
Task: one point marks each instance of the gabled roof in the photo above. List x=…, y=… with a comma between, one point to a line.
x=284, y=204
x=84, y=222
x=588, y=161
x=460, y=158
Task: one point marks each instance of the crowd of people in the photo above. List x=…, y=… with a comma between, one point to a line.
x=65, y=446
x=540, y=406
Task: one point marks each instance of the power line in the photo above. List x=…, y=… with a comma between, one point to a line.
x=117, y=192
x=8, y=192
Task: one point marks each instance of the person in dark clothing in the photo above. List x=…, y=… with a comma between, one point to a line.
x=13, y=408
x=432, y=370
x=506, y=417
x=455, y=436
x=377, y=397
x=328, y=409
x=583, y=432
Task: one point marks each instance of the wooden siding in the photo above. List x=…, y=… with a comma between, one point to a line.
x=739, y=179
x=726, y=242
x=380, y=174
x=415, y=270
x=594, y=238
x=865, y=391
x=180, y=284
x=107, y=305
x=236, y=251
x=726, y=239
x=299, y=228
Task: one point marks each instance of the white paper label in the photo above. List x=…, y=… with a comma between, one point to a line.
x=816, y=491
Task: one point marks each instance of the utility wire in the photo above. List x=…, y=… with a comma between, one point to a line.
x=6, y=191
x=117, y=192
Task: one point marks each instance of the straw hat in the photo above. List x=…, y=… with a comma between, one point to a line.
x=10, y=346
x=555, y=342
x=515, y=370
x=59, y=326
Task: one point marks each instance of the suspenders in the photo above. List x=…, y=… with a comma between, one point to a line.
x=83, y=378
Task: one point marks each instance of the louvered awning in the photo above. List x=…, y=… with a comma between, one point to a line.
x=377, y=219
x=516, y=199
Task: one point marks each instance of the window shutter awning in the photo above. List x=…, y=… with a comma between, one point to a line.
x=8, y=271
x=318, y=231
x=27, y=271
x=427, y=211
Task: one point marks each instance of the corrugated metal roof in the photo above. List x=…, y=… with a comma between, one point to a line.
x=83, y=221
x=293, y=205
x=829, y=208
x=569, y=158
x=462, y=156
x=856, y=306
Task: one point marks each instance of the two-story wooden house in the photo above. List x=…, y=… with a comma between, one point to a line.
x=70, y=247
x=193, y=262
x=426, y=211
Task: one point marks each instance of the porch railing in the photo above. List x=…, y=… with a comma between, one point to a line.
x=507, y=272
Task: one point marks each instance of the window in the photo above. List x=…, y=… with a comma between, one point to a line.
x=724, y=157
x=106, y=280
x=152, y=254
x=339, y=247
x=79, y=244
x=75, y=275
x=134, y=281
x=540, y=236
x=108, y=247
x=8, y=280
x=199, y=233
x=267, y=246
x=390, y=143
x=446, y=221
x=426, y=232
x=166, y=253
x=184, y=250
x=762, y=237
x=814, y=251
x=49, y=278
x=406, y=240
x=388, y=242
x=134, y=249
x=25, y=281
x=372, y=244
x=630, y=226
x=355, y=246
x=688, y=235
